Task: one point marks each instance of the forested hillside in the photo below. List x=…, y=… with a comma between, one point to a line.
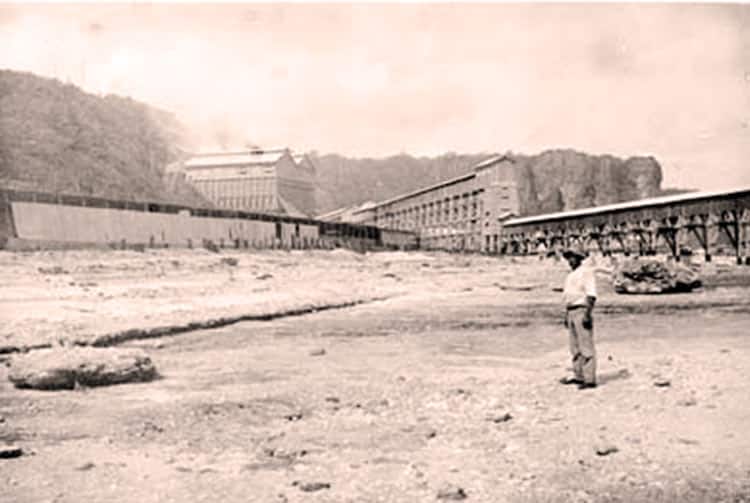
x=56, y=138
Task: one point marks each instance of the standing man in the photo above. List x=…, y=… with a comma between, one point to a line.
x=579, y=295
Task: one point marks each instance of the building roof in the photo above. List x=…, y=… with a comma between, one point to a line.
x=429, y=188
x=493, y=160
x=445, y=183
x=260, y=156
x=640, y=203
x=367, y=206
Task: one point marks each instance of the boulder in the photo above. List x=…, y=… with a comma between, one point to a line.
x=653, y=276
x=66, y=368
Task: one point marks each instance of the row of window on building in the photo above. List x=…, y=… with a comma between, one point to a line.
x=249, y=203
x=459, y=210
x=250, y=194
x=235, y=187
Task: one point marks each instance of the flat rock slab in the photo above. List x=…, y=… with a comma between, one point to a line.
x=66, y=368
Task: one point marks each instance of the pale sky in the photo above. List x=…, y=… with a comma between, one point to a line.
x=668, y=80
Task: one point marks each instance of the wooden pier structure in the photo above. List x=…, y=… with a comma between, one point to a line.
x=710, y=222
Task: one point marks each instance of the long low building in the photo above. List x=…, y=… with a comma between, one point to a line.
x=460, y=214
x=38, y=220
x=709, y=222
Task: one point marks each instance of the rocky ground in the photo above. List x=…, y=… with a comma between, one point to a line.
x=438, y=382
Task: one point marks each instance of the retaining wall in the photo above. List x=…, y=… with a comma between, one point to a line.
x=43, y=220
x=75, y=224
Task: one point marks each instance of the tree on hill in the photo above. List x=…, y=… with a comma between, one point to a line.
x=56, y=138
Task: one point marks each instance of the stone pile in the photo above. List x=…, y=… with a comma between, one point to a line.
x=652, y=276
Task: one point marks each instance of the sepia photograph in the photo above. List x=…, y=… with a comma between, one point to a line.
x=374, y=252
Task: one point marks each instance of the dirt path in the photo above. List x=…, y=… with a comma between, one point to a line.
x=453, y=386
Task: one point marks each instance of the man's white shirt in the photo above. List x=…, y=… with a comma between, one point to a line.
x=579, y=284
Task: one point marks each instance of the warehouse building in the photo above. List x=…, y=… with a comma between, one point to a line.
x=460, y=214
x=256, y=180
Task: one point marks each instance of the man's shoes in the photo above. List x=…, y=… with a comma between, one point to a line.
x=571, y=380
x=587, y=385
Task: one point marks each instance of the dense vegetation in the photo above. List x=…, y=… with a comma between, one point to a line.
x=56, y=138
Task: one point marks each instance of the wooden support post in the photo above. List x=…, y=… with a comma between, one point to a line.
x=641, y=236
x=697, y=225
x=743, y=221
x=652, y=241
x=706, y=238
x=628, y=236
x=581, y=242
x=663, y=230
x=618, y=236
x=557, y=243
x=737, y=237
x=597, y=239
x=577, y=241
x=730, y=225
x=677, y=237
x=713, y=231
x=668, y=233
x=609, y=238
x=638, y=232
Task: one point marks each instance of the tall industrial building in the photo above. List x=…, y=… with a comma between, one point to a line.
x=463, y=213
x=256, y=180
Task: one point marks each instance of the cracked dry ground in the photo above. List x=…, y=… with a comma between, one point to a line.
x=450, y=391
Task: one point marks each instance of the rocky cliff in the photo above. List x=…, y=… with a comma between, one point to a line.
x=555, y=180
x=561, y=180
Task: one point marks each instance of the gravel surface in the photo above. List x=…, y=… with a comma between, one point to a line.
x=447, y=390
